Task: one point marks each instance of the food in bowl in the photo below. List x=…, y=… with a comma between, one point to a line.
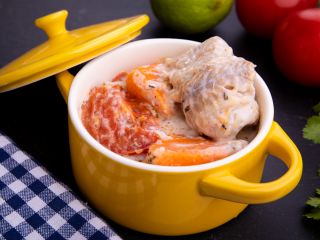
x=190, y=109
x=180, y=200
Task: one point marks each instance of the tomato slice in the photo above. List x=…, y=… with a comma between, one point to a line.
x=120, y=123
x=120, y=77
x=190, y=151
x=147, y=83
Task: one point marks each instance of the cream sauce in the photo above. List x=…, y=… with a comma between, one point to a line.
x=176, y=125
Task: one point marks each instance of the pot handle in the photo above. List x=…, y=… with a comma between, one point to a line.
x=64, y=80
x=229, y=187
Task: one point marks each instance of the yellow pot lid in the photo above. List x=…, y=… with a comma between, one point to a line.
x=65, y=49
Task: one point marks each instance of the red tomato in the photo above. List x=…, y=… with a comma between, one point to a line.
x=119, y=122
x=260, y=17
x=296, y=47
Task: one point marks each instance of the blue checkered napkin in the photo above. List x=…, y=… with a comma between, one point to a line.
x=33, y=205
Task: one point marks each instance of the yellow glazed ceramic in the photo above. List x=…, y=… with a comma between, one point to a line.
x=172, y=200
x=65, y=49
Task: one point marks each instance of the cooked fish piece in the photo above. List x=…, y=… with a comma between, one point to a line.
x=210, y=50
x=216, y=89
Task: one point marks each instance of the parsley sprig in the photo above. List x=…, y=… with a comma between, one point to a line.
x=312, y=132
x=312, y=129
x=314, y=202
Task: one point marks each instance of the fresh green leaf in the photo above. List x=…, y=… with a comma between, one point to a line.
x=313, y=202
x=312, y=132
x=312, y=129
x=314, y=214
x=316, y=108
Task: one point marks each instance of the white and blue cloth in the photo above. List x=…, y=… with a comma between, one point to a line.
x=34, y=205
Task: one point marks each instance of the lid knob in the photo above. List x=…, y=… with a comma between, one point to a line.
x=53, y=24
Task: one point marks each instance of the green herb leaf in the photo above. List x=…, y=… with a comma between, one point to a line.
x=312, y=129
x=314, y=214
x=312, y=132
x=313, y=202
x=316, y=108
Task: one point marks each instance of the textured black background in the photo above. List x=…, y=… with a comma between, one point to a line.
x=35, y=116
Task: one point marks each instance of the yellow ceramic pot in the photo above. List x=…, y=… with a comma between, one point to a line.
x=172, y=200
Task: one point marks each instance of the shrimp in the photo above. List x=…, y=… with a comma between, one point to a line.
x=191, y=151
x=149, y=84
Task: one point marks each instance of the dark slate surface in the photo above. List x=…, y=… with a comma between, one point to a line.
x=35, y=116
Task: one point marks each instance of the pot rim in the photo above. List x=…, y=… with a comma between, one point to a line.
x=77, y=123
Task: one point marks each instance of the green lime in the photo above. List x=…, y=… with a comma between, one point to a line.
x=191, y=16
